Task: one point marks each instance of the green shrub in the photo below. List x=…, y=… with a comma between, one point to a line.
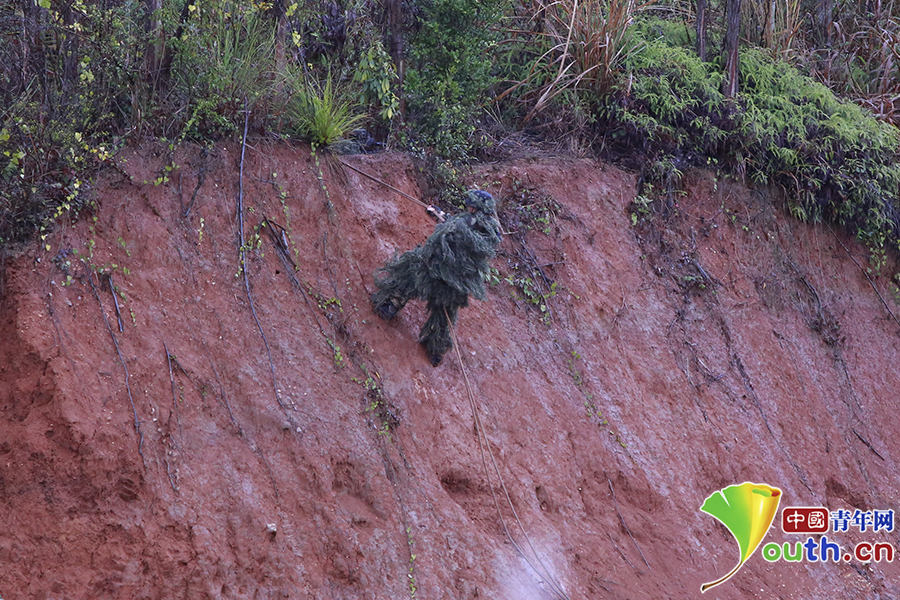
x=837, y=162
x=224, y=61
x=449, y=77
x=65, y=80
x=671, y=101
x=378, y=78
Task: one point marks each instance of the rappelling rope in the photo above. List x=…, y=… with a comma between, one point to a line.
x=482, y=442
x=428, y=207
x=482, y=434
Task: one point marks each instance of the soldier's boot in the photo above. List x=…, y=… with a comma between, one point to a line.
x=435, y=356
x=435, y=335
x=387, y=309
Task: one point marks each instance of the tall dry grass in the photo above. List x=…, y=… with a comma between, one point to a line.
x=778, y=21
x=585, y=42
x=851, y=47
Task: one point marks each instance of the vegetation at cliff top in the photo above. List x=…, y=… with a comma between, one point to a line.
x=808, y=102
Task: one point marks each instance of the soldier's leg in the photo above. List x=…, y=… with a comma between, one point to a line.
x=397, y=286
x=435, y=334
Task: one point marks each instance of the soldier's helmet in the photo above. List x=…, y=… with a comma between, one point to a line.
x=481, y=201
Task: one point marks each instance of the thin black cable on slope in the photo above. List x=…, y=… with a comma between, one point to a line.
x=243, y=252
x=437, y=213
x=137, y=422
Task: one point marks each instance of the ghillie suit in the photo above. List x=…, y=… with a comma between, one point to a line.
x=442, y=272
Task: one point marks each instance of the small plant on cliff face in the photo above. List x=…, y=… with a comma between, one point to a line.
x=412, y=564
x=590, y=406
x=531, y=292
x=493, y=277
x=377, y=403
x=338, y=356
x=325, y=303
x=642, y=205
x=527, y=208
x=164, y=174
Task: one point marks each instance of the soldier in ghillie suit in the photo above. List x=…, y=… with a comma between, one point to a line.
x=443, y=272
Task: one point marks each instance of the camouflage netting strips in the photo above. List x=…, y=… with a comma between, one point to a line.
x=443, y=272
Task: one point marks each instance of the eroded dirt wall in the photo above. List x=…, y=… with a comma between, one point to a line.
x=174, y=441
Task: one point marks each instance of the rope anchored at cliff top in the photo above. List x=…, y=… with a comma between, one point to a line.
x=429, y=208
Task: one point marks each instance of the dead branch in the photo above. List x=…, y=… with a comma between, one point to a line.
x=428, y=208
x=872, y=283
x=172, y=379
x=107, y=279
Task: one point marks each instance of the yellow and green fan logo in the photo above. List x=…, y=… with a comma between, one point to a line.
x=747, y=511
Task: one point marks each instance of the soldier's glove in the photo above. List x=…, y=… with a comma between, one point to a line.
x=435, y=212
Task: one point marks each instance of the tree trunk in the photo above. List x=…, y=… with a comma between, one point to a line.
x=769, y=29
x=68, y=48
x=732, y=37
x=35, y=61
x=164, y=75
x=702, y=16
x=281, y=37
x=154, y=49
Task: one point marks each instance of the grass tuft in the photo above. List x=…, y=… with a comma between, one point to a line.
x=319, y=113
